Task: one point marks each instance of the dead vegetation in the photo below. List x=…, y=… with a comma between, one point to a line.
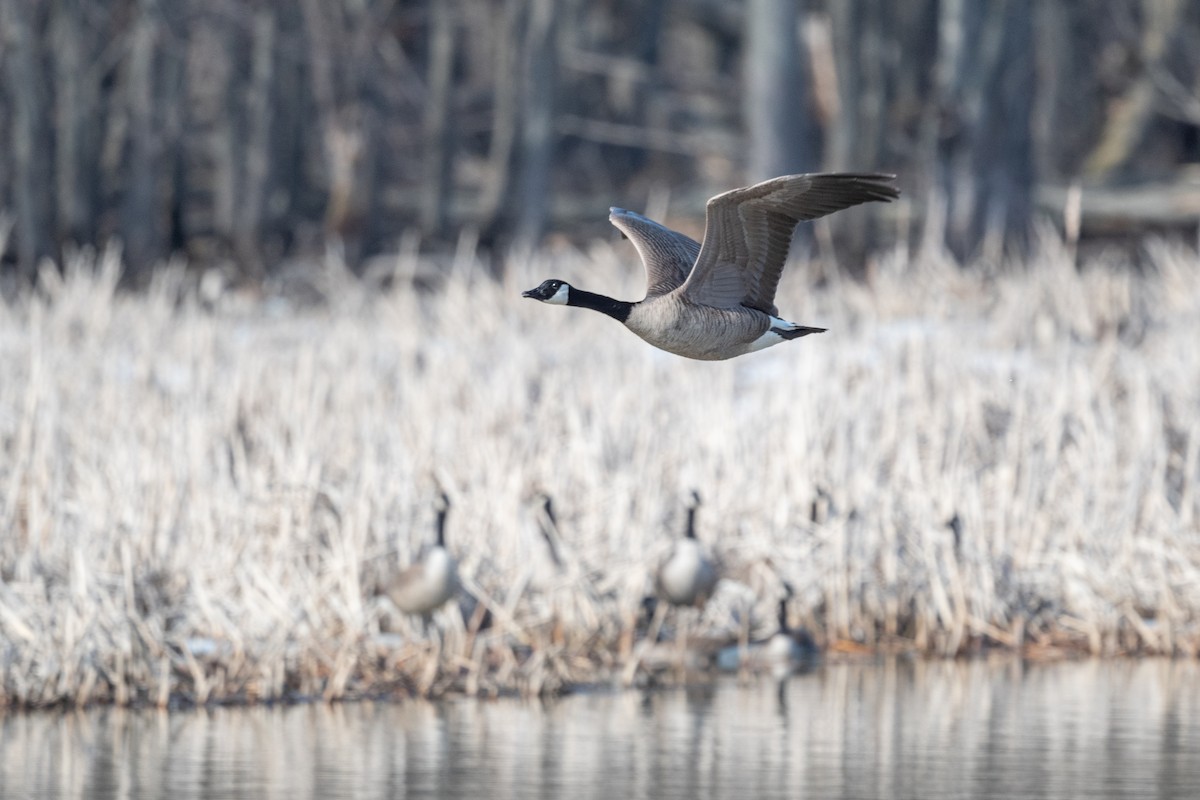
x=198, y=496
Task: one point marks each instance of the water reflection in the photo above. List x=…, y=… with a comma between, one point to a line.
x=898, y=729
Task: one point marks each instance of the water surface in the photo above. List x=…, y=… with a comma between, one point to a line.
x=898, y=729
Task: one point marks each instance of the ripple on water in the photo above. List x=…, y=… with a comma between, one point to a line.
x=982, y=729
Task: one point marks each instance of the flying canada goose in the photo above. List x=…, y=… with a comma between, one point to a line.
x=687, y=577
x=717, y=301
x=432, y=578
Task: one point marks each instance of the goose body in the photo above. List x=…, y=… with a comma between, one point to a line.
x=716, y=300
x=687, y=577
x=431, y=579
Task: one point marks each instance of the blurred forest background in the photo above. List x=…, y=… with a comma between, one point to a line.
x=247, y=134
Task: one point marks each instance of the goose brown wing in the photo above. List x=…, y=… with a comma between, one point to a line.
x=748, y=231
x=667, y=255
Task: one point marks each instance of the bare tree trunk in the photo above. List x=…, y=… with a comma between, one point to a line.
x=537, y=133
x=783, y=137
x=338, y=144
x=862, y=42
x=251, y=200
x=496, y=193
x=1129, y=119
x=982, y=116
x=846, y=23
x=438, y=130
x=340, y=37
x=73, y=97
x=1003, y=158
x=868, y=35
x=938, y=127
x=142, y=225
x=298, y=190
x=208, y=172
x=30, y=156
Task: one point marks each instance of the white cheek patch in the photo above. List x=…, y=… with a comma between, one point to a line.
x=560, y=297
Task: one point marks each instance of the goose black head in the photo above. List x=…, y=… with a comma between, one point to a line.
x=552, y=291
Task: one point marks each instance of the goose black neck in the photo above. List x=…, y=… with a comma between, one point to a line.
x=549, y=527
x=783, y=623
x=441, y=527
x=691, y=518
x=617, y=309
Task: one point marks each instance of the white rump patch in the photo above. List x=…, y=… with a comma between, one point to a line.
x=771, y=337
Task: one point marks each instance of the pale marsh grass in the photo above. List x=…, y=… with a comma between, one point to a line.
x=194, y=503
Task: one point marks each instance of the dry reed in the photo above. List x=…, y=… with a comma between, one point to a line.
x=198, y=498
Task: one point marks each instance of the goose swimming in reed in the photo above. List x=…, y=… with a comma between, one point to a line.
x=717, y=300
x=790, y=649
x=786, y=651
x=432, y=578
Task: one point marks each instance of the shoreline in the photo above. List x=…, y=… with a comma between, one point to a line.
x=612, y=685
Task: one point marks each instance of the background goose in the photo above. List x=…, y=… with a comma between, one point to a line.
x=562, y=589
x=790, y=649
x=687, y=577
x=548, y=527
x=717, y=301
x=786, y=651
x=432, y=578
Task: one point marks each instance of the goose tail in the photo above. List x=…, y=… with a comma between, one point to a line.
x=796, y=331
